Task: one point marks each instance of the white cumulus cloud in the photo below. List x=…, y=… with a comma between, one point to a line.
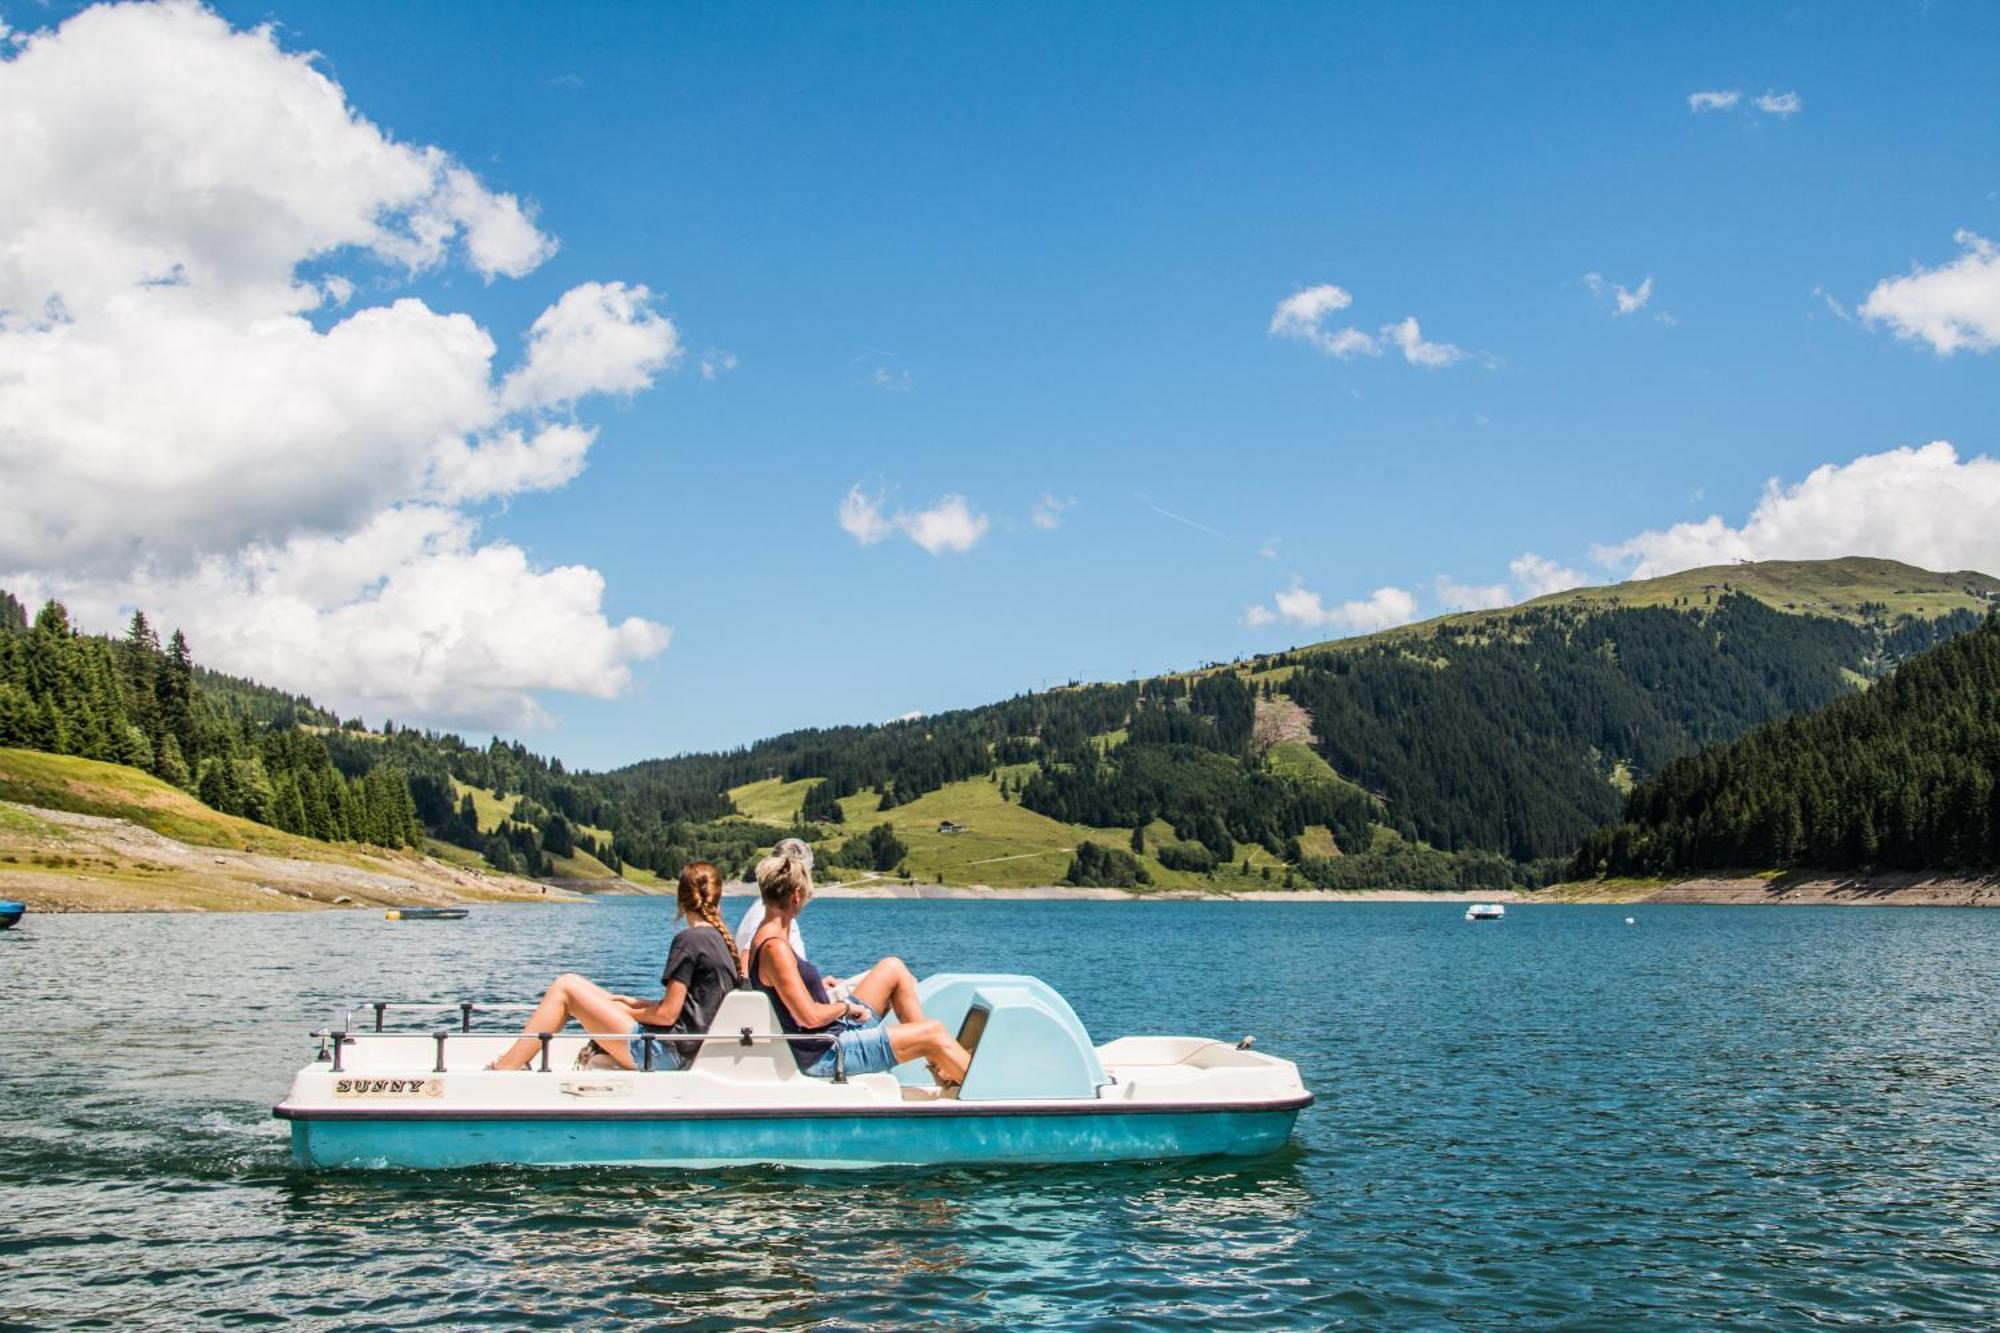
x=1297, y=605
x=861, y=517
x=1950, y=307
x=1307, y=316
x=950, y=525
x=1047, y=512
x=1304, y=315
x=181, y=200
x=1714, y=100
x=1782, y=105
x=1624, y=300
x=1410, y=340
x=1529, y=576
x=1924, y=506
x=601, y=337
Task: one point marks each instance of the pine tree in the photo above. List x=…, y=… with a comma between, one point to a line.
x=139, y=657
x=173, y=687
x=168, y=764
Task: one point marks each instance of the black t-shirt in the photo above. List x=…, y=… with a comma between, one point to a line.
x=700, y=960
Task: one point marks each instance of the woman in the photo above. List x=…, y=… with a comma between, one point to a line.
x=702, y=968
x=866, y=1044
x=837, y=988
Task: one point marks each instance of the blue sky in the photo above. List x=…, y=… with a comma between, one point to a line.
x=1036, y=251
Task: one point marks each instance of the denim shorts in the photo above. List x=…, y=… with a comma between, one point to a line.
x=665, y=1054
x=865, y=1045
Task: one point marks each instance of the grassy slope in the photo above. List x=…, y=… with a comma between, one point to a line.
x=87, y=787
x=90, y=871
x=1004, y=846
x=494, y=810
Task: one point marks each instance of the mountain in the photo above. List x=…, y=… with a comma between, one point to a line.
x=1473, y=750
x=1905, y=776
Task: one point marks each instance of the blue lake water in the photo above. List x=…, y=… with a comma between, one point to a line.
x=1763, y=1116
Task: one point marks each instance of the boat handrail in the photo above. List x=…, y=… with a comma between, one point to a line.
x=742, y=1037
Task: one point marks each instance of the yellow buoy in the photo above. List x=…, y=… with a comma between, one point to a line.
x=392, y=915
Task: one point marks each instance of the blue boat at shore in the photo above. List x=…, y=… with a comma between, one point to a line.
x=1037, y=1090
x=11, y=914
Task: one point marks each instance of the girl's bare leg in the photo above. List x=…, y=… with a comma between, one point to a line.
x=571, y=996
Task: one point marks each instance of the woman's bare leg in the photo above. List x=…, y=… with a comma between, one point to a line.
x=571, y=996
x=889, y=987
x=928, y=1041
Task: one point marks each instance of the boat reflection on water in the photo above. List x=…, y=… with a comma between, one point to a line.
x=774, y=1245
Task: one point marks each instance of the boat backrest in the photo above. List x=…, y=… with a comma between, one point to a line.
x=760, y=1061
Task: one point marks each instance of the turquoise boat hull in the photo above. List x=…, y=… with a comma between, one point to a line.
x=977, y=1137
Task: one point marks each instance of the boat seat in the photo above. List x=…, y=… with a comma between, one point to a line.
x=760, y=1061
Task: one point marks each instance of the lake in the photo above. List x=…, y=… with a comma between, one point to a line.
x=1771, y=1116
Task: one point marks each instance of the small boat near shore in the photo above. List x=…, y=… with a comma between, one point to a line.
x=11, y=914
x=1486, y=912
x=1037, y=1090
x=425, y=914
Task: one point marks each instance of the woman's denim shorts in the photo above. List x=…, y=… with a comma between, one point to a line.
x=865, y=1046
x=665, y=1054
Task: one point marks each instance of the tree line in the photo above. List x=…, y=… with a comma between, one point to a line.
x=137, y=702
x=1904, y=776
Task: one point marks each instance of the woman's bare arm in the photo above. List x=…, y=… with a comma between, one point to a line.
x=781, y=974
x=663, y=1011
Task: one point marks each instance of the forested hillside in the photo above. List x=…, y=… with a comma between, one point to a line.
x=1473, y=751
x=1903, y=777
x=240, y=749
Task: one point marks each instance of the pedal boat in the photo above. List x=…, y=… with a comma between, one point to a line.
x=1037, y=1091
x=11, y=914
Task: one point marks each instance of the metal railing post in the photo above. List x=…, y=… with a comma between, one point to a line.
x=649, y=1052
x=380, y=1005
x=439, y=1038
x=339, y=1040
x=545, y=1050
x=465, y=1015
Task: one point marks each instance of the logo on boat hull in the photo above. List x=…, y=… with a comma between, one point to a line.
x=388, y=1087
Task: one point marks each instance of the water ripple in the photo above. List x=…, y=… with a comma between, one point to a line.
x=1763, y=1118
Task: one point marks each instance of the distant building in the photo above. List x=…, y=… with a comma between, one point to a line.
x=946, y=826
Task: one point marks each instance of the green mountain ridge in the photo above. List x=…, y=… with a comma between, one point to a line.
x=1857, y=589
x=1480, y=746
x=1473, y=750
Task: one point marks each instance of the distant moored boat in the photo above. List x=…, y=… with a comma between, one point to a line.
x=10, y=913
x=425, y=914
x=1485, y=912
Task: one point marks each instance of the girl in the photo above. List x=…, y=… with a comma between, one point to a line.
x=869, y=1046
x=702, y=968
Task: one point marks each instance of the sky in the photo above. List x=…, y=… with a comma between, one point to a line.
x=642, y=379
